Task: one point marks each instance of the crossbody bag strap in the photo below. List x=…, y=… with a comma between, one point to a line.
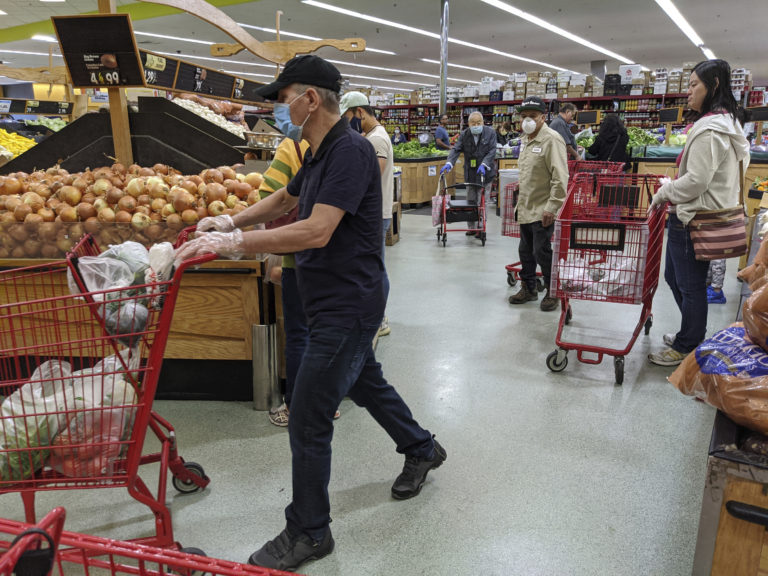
x=741, y=183
x=610, y=155
x=298, y=152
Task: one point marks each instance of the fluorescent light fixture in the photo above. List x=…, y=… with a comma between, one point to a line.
x=28, y=53
x=708, y=53
x=177, y=38
x=3, y=13
x=398, y=71
x=680, y=21
x=380, y=86
x=382, y=79
x=219, y=60
x=53, y=0
x=305, y=37
x=399, y=26
x=556, y=29
x=44, y=38
x=236, y=73
x=467, y=67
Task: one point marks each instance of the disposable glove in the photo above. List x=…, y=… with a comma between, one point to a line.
x=223, y=223
x=227, y=244
x=656, y=202
x=447, y=168
x=664, y=181
x=481, y=170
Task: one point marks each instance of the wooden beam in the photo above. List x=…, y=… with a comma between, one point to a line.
x=118, y=109
x=287, y=49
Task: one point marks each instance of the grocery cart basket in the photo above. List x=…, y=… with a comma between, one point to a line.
x=71, y=553
x=593, y=167
x=607, y=248
x=78, y=374
x=461, y=210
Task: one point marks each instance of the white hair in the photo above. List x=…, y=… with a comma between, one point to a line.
x=475, y=115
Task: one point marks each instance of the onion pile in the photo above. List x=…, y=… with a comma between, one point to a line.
x=43, y=214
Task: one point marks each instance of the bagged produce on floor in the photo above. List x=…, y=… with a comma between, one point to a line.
x=755, y=316
x=730, y=373
x=32, y=416
x=756, y=272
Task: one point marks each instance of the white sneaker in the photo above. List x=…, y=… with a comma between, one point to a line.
x=669, y=339
x=667, y=357
x=384, y=328
x=279, y=416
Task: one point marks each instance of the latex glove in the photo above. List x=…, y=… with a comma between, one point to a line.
x=227, y=244
x=547, y=218
x=447, y=168
x=481, y=170
x=223, y=223
x=657, y=201
x=664, y=181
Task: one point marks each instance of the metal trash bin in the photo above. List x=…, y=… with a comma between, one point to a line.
x=266, y=381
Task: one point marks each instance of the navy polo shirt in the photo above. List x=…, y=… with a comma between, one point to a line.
x=342, y=282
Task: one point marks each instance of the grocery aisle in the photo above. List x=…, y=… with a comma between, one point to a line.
x=546, y=473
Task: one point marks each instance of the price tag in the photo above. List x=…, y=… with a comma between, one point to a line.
x=431, y=170
x=102, y=78
x=150, y=76
x=64, y=108
x=5, y=106
x=155, y=62
x=32, y=105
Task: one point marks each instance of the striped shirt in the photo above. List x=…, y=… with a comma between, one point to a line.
x=283, y=168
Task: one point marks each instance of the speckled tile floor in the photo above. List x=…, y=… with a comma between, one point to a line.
x=546, y=474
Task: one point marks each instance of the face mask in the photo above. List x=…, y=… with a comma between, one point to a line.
x=283, y=120
x=397, y=131
x=356, y=124
x=529, y=125
x=476, y=130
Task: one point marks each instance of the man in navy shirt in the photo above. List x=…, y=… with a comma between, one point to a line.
x=442, y=140
x=339, y=267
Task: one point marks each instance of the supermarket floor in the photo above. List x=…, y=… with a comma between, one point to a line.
x=546, y=473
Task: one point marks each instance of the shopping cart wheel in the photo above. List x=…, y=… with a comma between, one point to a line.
x=511, y=279
x=555, y=363
x=445, y=237
x=482, y=238
x=196, y=552
x=189, y=487
x=439, y=232
x=648, y=324
x=618, y=367
x=568, y=314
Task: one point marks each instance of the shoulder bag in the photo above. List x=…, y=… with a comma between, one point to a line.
x=292, y=216
x=718, y=234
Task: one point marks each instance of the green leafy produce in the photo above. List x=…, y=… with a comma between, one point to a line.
x=53, y=124
x=585, y=141
x=413, y=150
x=639, y=137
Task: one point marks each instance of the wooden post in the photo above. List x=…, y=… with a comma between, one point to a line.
x=118, y=108
x=758, y=133
x=667, y=133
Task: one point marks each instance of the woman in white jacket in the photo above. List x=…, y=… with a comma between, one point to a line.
x=708, y=178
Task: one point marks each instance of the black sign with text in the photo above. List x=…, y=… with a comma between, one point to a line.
x=758, y=114
x=43, y=107
x=99, y=50
x=159, y=71
x=204, y=81
x=671, y=115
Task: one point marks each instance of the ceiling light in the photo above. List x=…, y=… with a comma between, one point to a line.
x=557, y=30
x=305, y=37
x=708, y=53
x=44, y=38
x=467, y=67
x=680, y=21
x=177, y=38
x=399, y=26
x=380, y=86
x=28, y=53
x=236, y=73
x=53, y=0
x=3, y=13
x=382, y=79
x=398, y=71
x=219, y=60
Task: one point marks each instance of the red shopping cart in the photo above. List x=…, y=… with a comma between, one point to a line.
x=453, y=210
x=72, y=553
x=607, y=249
x=509, y=225
x=78, y=373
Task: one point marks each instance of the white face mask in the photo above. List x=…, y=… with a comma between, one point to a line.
x=529, y=125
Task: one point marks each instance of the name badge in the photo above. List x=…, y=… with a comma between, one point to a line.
x=536, y=150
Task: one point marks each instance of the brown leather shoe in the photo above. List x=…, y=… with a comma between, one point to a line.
x=524, y=295
x=548, y=303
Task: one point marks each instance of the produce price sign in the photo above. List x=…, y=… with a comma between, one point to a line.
x=48, y=107
x=192, y=78
x=5, y=106
x=159, y=71
x=588, y=117
x=245, y=91
x=758, y=114
x=99, y=50
x=671, y=115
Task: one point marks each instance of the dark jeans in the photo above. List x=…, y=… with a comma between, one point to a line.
x=535, y=248
x=339, y=362
x=296, y=331
x=687, y=277
x=385, y=280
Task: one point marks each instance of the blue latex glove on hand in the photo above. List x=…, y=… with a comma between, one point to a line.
x=481, y=169
x=447, y=168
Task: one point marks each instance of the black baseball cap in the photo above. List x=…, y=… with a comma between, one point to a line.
x=307, y=69
x=532, y=103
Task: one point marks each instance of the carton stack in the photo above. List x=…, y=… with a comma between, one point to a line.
x=741, y=81
x=533, y=87
x=686, y=75
x=674, y=80
x=577, y=86
x=660, y=82
x=612, y=83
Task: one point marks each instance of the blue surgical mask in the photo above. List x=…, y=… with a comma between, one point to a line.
x=283, y=120
x=476, y=130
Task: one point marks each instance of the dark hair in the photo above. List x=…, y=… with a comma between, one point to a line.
x=716, y=76
x=611, y=127
x=567, y=107
x=367, y=109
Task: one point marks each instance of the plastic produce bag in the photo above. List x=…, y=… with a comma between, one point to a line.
x=160, y=270
x=127, y=319
x=101, y=274
x=31, y=418
x=133, y=254
x=95, y=436
x=730, y=373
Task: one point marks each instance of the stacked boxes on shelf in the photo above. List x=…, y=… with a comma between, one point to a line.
x=741, y=81
x=612, y=83
x=674, y=81
x=661, y=80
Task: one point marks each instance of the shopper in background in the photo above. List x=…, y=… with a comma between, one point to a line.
x=543, y=177
x=442, y=139
x=478, y=144
x=715, y=279
x=339, y=269
x=708, y=179
x=610, y=145
x=562, y=125
x=356, y=105
x=504, y=133
x=398, y=137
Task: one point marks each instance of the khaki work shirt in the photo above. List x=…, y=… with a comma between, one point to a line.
x=543, y=165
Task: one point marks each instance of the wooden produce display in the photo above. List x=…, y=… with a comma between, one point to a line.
x=421, y=176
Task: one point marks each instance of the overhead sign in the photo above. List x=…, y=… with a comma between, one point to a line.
x=99, y=50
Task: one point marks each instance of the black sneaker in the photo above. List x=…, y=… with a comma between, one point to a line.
x=414, y=473
x=289, y=551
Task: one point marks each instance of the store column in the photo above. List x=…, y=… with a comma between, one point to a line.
x=443, y=55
